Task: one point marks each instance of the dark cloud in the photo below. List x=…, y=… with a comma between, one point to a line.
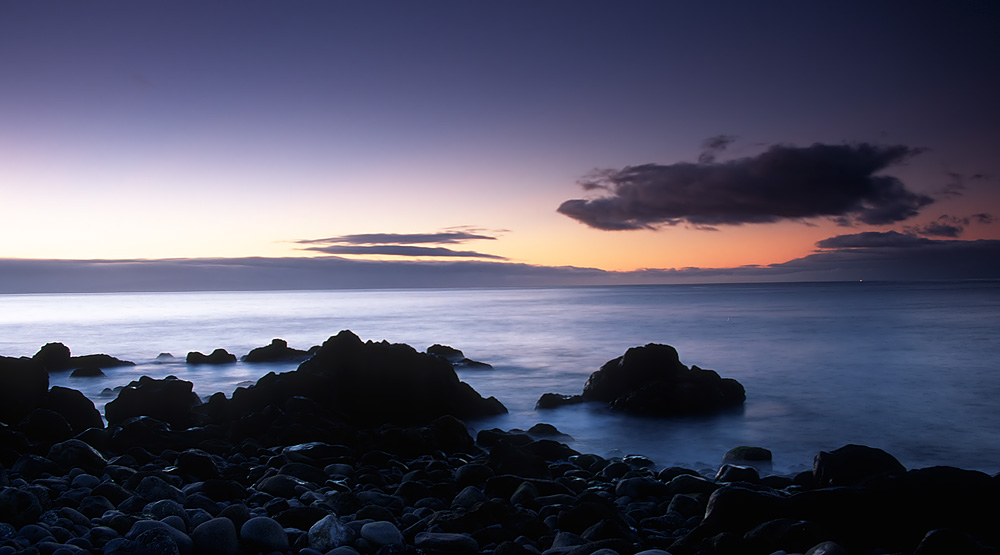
x=958, y=183
x=713, y=146
x=401, y=250
x=870, y=239
x=840, y=182
x=444, y=237
x=949, y=226
x=402, y=244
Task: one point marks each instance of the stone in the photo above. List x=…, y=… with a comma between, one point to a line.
x=87, y=372
x=453, y=543
x=75, y=453
x=198, y=464
x=75, y=407
x=469, y=497
x=735, y=473
x=217, y=535
x=553, y=400
x=329, y=533
x=265, y=534
x=169, y=400
x=18, y=507
x=828, y=548
x=382, y=533
x=46, y=426
x=472, y=474
x=180, y=539
x=853, y=464
x=154, y=488
x=23, y=384
x=277, y=351
x=218, y=356
x=745, y=453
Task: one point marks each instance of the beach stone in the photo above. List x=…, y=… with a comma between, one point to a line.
x=746, y=453
x=46, y=426
x=382, y=533
x=19, y=507
x=469, y=497
x=75, y=453
x=734, y=473
x=554, y=400
x=640, y=488
x=93, y=506
x=472, y=474
x=154, y=488
x=181, y=540
x=217, y=535
x=329, y=533
x=197, y=463
x=852, y=464
x=280, y=485
x=87, y=372
x=454, y=543
x=155, y=541
x=264, y=533
x=832, y=548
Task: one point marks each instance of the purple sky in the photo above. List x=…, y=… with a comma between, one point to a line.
x=256, y=131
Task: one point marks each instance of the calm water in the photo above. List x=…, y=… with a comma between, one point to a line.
x=911, y=368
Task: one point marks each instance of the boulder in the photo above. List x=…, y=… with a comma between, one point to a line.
x=56, y=358
x=853, y=464
x=23, y=384
x=87, y=372
x=75, y=453
x=651, y=381
x=218, y=356
x=264, y=534
x=75, y=407
x=371, y=384
x=217, y=535
x=277, y=351
x=169, y=400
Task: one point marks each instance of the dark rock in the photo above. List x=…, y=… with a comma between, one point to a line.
x=651, y=380
x=451, y=543
x=734, y=473
x=75, y=453
x=510, y=459
x=87, y=372
x=448, y=353
x=169, y=400
x=550, y=450
x=23, y=384
x=264, y=534
x=553, y=400
x=948, y=541
x=277, y=351
x=736, y=508
x=328, y=533
x=301, y=518
x=218, y=356
x=94, y=506
x=165, y=357
x=198, y=464
x=56, y=358
x=372, y=383
x=46, y=426
x=78, y=410
x=18, y=507
x=217, y=535
x=745, y=453
x=853, y=464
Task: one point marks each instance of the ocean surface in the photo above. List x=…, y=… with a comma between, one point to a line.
x=913, y=368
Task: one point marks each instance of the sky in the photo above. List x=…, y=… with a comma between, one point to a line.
x=171, y=145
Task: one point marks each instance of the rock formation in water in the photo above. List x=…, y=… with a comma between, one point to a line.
x=652, y=381
x=56, y=358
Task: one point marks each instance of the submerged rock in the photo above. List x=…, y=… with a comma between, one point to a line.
x=277, y=351
x=56, y=358
x=218, y=356
x=169, y=400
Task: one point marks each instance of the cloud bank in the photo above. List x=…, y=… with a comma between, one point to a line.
x=841, y=182
x=402, y=244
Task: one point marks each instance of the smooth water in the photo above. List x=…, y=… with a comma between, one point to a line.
x=911, y=368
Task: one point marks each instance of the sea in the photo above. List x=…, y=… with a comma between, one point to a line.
x=912, y=368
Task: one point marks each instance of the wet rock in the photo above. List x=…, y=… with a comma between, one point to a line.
x=452, y=543
x=734, y=473
x=382, y=533
x=265, y=534
x=46, y=426
x=56, y=358
x=853, y=464
x=19, y=507
x=75, y=453
x=277, y=351
x=218, y=356
x=217, y=535
x=87, y=372
x=745, y=453
x=198, y=464
x=169, y=400
x=143, y=527
x=76, y=408
x=329, y=534
x=553, y=400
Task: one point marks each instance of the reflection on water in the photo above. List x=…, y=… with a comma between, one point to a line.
x=909, y=368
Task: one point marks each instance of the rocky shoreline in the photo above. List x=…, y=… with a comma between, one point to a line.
x=331, y=459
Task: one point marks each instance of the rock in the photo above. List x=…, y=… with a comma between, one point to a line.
x=734, y=473
x=154, y=488
x=853, y=464
x=46, y=426
x=651, y=380
x=56, y=358
x=329, y=534
x=218, y=356
x=87, y=372
x=829, y=548
x=277, y=351
x=448, y=353
x=745, y=453
x=382, y=533
x=198, y=464
x=469, y=497
x=143, y=527
x=265, y=534
x=217, y=535
x=553, y=400
x=371, y=384
x=75, y=453
x=23, y=384
x=19, y=507
x=169, y=400
x=453, y=543
x=165, y=357
x=75, y=407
